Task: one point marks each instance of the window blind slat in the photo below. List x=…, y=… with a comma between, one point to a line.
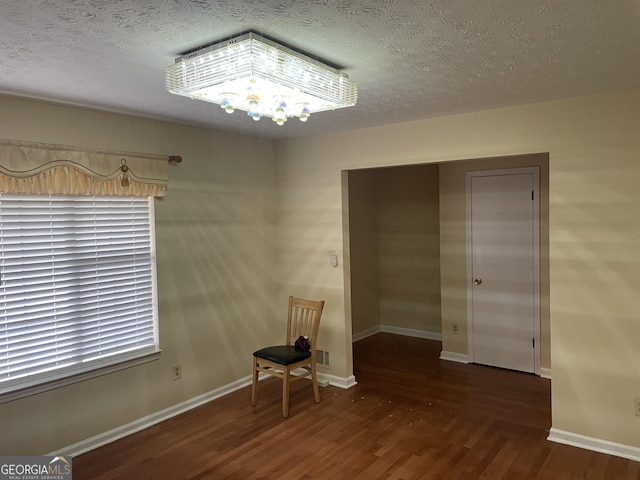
x=129, y=312
x=77, y=278
x=84, y=295
x=36, y=349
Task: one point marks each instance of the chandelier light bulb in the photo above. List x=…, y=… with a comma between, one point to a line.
x=254, y=107
x=279, y=116
x=304, y=113
x=280, y=113
x=227, y=102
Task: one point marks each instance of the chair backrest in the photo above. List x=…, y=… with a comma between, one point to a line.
x=304, y=319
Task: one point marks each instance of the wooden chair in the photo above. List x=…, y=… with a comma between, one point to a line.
x=281, y=360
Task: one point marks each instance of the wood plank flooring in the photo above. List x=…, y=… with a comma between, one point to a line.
x=411, y=416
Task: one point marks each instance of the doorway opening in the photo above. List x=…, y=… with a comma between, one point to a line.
x=407, y=247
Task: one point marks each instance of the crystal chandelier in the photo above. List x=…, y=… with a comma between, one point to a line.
x=261, y=77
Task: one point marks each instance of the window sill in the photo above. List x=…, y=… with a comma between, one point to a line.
x=80, y=377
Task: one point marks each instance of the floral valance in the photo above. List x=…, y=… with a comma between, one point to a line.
x=40, y=168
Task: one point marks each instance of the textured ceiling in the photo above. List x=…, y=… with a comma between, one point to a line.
x=411, y=58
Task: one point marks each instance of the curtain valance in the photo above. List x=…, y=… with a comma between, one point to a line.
x=40, y=168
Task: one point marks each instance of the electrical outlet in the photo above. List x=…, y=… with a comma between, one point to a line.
x=454, y=328
x=177, y=371
x=637, y=407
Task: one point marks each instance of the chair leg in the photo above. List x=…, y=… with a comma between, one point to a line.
x=314, y=381
x=285, y=391
x=254, y=385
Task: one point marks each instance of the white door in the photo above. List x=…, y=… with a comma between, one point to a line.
x=503, y=280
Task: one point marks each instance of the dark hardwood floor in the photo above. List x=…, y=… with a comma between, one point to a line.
x=411, y=416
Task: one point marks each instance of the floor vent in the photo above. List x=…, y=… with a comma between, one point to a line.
x=322, y=357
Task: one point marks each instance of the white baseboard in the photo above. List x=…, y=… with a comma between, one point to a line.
x=150, y=420
x=594, y=444
x=454, y=357
x=365, y=333
x=324, y=379
x=341, y=382
x=408, y=332
x=545, y=372
x=170, y=412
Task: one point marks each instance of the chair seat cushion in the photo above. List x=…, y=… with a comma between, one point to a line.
x=282, y=354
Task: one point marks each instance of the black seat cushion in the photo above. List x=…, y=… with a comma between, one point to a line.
x=282, y=354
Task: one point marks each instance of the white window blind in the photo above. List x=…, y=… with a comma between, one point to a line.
x=77, y=285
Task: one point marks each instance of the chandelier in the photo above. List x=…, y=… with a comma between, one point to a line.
x=261, y=77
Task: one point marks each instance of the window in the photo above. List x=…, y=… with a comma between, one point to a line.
x=77, y=288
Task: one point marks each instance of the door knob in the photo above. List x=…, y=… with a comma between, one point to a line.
x=477, y=281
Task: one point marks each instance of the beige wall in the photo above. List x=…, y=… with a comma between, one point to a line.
x=215, y=257
x=364, y=250
x=309, y=212
x=594, y=173
x=409, y=237
x=395, y=259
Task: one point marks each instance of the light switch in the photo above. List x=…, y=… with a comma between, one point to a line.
x=333, y=258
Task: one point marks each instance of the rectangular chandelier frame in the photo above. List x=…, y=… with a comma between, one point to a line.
x=252, y=73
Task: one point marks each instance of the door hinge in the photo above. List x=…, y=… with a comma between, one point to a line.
x=533, y=340
x=532, y=195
